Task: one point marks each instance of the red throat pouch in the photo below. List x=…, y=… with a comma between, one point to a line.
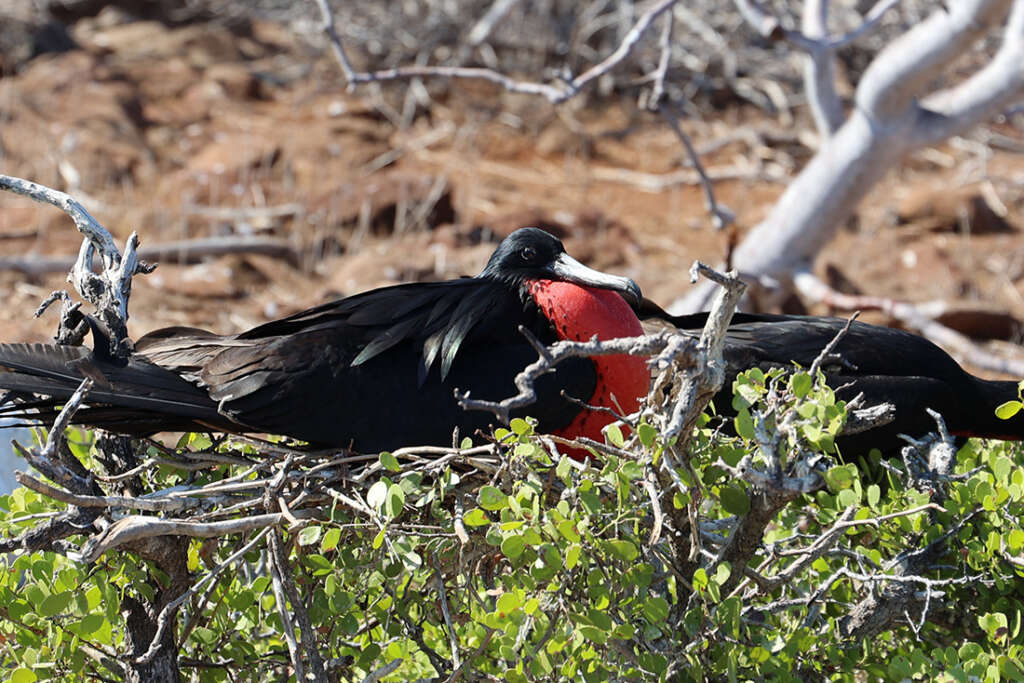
x=578, y=313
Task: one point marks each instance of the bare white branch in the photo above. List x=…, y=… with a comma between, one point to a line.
x=902, y=70
x=820, y=69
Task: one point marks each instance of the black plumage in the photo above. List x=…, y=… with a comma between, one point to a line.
x=885, y=364
x=377, y=370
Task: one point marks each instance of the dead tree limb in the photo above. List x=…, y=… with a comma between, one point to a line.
x=108, y=291
x=894, y=113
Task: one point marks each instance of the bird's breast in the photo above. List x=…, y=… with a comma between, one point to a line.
x=577, y=313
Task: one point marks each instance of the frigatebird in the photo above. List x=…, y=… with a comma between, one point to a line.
x=887, y=365
x=374, y=371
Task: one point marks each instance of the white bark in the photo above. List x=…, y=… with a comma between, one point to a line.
x=820, y=70
x=893, y=115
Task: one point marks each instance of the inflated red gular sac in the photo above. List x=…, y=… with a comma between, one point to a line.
x=376, y=370
x=578, y=313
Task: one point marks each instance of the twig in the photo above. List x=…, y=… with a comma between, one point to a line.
x=383, y=671
x=649, y=483
x=721, y=216
x=554, y=94
x=110, y=290
x=457, y=674
x=488, y=21
x=459, y=523
x=150, y=504
x=665, y=43
x=829, y=350
x=60, y=425
x=136, y=527
x=165, y=614
x=185, y=251
x=84, y=221
x=285, y=593
x=453, y=639
x=554, y=354
x=47, y=460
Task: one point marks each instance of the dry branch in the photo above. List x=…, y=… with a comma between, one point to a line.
x=108, y=291
x=553, y=93
x=894, y=114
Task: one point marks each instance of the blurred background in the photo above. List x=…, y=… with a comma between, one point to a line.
x=223, y=133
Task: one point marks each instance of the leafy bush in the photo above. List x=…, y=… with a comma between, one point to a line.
x=754, y=553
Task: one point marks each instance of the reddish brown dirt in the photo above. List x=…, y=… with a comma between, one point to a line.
x=147, y=123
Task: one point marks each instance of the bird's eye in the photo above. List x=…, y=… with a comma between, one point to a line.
x=528, y=253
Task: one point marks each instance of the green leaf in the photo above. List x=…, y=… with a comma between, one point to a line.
x=729, y=616
x=309, y=535
x=614, y=435
x=508, y=603
x=330, y=540
x=1015, y=540
x=734, y=500
x=563, y=468
x=848, y=497
x=35, y=594
x=513, y=546
x=520, y=426
x=1005, y=411
x=192, y=555
x=744, y=424
x=599, y=619
x=378, y=540
x=995, y=624
x=90, y=623
x=655, y=610
x=395, y=501
x=56, y=603
x=840, y=477
x=567, y=528
x=874, y=495
x=1001, y=468
x=389, y=461
x=476, y=517
x=622, y=549
x=647, y=434
x=377, y=494
x=572, y=556
x=23, y=675
x=594, y=634
x=491, y=498
x=969, y=651
x=801, y=384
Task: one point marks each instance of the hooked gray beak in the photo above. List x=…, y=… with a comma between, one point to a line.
x=569, y=269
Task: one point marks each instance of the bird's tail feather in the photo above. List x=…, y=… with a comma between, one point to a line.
x=136, y=397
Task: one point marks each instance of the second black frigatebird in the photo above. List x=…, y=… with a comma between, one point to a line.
x=885, y=364
x=376, y=370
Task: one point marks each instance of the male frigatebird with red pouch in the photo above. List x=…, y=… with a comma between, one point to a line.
x=376, y=370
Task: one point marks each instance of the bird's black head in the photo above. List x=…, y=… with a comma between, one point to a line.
x=532, y=254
